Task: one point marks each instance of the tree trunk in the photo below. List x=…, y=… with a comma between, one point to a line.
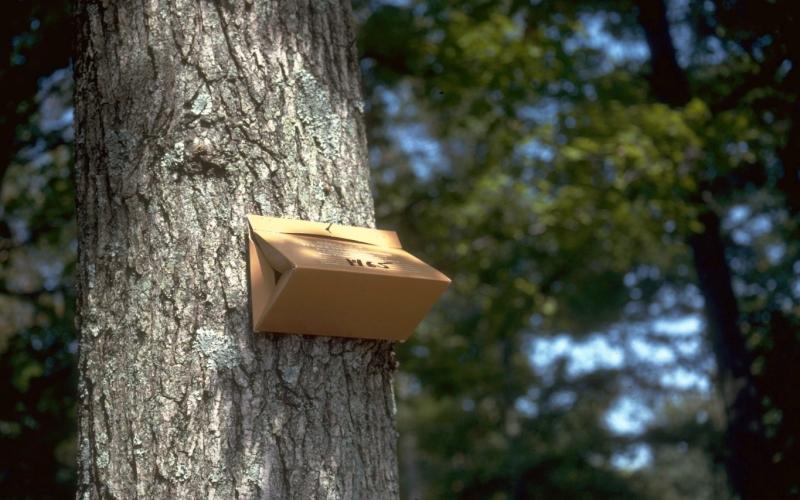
x=190, y=115
x=745, y=459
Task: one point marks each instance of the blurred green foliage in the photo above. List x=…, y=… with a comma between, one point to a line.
x=523, y=148
x=37, y=253
x=551, y=174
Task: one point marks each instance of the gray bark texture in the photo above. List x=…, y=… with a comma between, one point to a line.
x=190, y=114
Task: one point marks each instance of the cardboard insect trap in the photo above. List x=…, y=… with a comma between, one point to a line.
x=324, y=279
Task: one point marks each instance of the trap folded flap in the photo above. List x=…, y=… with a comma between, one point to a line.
x=328, y=279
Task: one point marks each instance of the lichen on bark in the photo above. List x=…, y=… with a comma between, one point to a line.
x=188, y=116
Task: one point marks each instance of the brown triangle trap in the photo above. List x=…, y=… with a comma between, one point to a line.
x=317, y=278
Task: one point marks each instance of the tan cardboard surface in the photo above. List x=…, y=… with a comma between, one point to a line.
x=261, y=224
x=322, y=279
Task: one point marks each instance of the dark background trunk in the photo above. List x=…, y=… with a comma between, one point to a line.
x=746, y=459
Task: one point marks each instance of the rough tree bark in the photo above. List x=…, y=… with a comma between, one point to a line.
x=189, y=115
